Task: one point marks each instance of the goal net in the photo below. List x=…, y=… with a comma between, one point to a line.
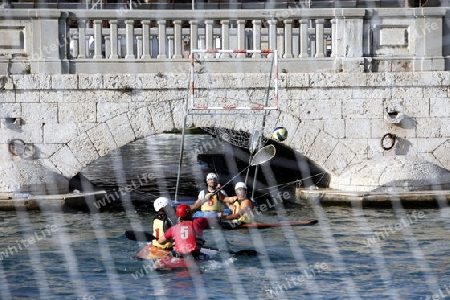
x=233, y=80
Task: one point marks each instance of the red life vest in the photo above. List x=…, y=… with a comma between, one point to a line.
x=185, y=239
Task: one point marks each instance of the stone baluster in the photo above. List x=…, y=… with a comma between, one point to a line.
x=303, y=38
x=170, y=46
x=153, y=45
x=129, y=26
x=256, y=37
x=86, y=44
x=225, y=37
x=201, y=44
x=162, y=38
x=146, y=39
x=113, y=34
x=66, y=38
x=319, y=38
x=272, y=36
x=288, y=39
x=333, y=37
x=178, y=40
x=312, y=43
x=107, y=46
x=97, y=39
x=194, y=34
x=82, y=38
x=139, y=46
x=75, y=45
x=241, y=37
x=209, y=37
x=119, y=46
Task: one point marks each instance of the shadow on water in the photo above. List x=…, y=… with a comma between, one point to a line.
x=146, y=169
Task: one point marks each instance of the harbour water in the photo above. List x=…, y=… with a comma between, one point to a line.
x=350, y=254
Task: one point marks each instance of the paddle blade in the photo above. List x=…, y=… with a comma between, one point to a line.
x=254, y=141
x=264, y=154
x=139, y=236
x=247, y=252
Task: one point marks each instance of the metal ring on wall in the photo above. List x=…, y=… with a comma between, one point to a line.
x=16, y=147
x=385, y=144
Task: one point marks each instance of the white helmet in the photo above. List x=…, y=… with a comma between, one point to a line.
x=240, y=185
x=161, y=202
x=211, y=176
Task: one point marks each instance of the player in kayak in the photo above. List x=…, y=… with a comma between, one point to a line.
x=162, y=221
x=214, y=204
x=242, y=208
x=187, y=234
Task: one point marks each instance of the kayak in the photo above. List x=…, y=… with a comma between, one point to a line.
x=205, y=214
x=163, y=260
x=258, y=225
x=232, y=225
x=281, y=224
x=152, y=252
x=171, y=263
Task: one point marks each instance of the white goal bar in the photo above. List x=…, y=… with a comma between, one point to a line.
x=233, y=107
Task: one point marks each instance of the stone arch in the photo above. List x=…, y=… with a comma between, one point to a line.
x=90, y=141
x=319, y=146
x=100, y=139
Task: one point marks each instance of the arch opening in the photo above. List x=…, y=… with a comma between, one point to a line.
x=147, y=168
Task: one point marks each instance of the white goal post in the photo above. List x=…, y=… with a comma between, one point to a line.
x=202, y=107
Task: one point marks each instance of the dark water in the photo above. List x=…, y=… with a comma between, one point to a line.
x=349, y=254
x=158, y=157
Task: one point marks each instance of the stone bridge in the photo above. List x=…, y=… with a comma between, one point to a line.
x=364, y=92
x=348, y=124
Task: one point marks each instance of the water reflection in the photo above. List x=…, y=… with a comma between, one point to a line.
x=148, y=167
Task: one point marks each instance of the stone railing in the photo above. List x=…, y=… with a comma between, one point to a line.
x=139, y=41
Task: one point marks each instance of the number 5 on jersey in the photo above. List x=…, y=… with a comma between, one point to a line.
x=184, y=232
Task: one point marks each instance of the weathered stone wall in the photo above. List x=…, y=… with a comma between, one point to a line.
x=335, y=119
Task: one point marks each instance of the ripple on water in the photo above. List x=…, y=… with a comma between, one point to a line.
x=90, y=256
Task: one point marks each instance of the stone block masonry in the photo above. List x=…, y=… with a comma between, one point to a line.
x=55, y=125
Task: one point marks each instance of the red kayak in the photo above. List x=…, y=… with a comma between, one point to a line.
x=281, y=224
x=152, y=252
x=231, y=225
x=163, y=260
x=170, y=263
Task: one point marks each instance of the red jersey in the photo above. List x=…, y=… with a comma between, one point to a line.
x=186, y=233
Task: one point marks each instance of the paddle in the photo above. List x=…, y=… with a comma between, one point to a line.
x=246, y=252
x=142, y=236
x=139, y=236
x=253, y=144
x=263, y=155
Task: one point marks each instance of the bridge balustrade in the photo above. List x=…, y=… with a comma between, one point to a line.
x=141, y=39
x=131, y=40
x=215, y=4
